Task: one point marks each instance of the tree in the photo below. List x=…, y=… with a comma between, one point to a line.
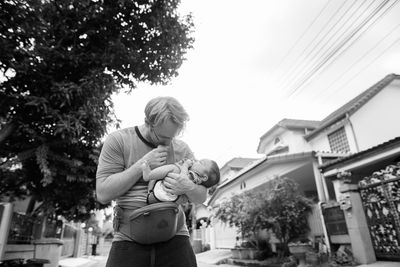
x=240, y=211
x=281, y=208
x=61, y=61
x=286, y=211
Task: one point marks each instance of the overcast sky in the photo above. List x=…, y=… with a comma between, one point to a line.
x=257, y=62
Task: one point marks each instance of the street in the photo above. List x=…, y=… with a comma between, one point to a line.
x=203, y=259
x=100, y=261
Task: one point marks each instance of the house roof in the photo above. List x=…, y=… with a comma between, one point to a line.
x=353, y=105
x=291, y=124
x=269, y=159
x=395, y=142
x=238, y=163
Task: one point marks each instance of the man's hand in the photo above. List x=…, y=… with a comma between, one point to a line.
x=156, y=157
x=178, y=184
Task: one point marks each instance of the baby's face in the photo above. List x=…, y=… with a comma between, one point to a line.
x=201, y=166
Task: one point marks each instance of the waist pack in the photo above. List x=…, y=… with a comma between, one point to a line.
x=150, y=224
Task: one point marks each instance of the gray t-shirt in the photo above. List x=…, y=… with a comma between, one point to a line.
x=122, y=149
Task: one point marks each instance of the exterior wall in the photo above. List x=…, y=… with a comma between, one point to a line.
x=315, y=222
x=297, y=143
x=377, y=121
x=267, y=143
x=225, y=236
x=292, y=138
x=201, y=211
x=321, y=141
x=374, y=123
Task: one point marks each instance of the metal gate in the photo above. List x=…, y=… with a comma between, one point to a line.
x=380, y=194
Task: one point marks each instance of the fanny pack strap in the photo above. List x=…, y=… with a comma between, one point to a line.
x=153, y=256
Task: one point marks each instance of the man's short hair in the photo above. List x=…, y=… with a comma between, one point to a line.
x=163, y=108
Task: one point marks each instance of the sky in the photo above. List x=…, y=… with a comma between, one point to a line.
x=256, y=62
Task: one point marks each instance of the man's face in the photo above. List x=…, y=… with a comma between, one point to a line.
x=163, y=133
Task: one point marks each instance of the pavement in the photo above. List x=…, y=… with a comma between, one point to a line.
x=381, y=264
x=211, y=258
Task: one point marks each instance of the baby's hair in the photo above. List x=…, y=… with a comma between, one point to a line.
x=213, y=175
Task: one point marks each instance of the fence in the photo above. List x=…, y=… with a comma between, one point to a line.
x=24, y=229
x=69, y=238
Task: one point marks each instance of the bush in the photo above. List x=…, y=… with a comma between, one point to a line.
x=282, y=209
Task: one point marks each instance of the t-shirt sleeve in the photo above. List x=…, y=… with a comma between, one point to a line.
x=187, y=152
x=182, y=150
x=111, y=158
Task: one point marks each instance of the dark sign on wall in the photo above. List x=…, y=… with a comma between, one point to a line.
x=335, y=221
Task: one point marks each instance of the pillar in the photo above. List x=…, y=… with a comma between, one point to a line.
x=360, y=238
x=49, y=249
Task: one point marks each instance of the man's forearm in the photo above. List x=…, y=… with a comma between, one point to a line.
x=198, y=194
x=117, y=184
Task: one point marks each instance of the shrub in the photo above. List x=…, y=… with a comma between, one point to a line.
x=282, y=209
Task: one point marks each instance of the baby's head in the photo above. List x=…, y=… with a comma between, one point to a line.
x=207, y=171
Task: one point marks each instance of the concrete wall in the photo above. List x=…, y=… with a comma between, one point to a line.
x=19, y=251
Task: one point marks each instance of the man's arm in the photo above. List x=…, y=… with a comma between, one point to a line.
x=198, y=194
x=117, y=184
x=157, y=173
x=179, y=184
x=112, y=180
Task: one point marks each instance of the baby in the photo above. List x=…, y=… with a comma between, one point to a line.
x=204, y=172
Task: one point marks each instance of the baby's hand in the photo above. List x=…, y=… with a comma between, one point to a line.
x=189, y=162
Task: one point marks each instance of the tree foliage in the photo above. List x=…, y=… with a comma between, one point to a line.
x=60, y=63
x=287, y=210
x=282, y=209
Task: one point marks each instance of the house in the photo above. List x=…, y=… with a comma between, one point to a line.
x=301, y=150
x=369, y=194
x=286, y=154
x=233, y=166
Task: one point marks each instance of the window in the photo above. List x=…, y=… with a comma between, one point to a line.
x=242, y=185
x=277, y=140
x=338, y=141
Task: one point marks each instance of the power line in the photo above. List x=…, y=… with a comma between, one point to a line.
x=313, y=56
x=337, y=49
x=327, y=54
x=369, y=64
x=360, y=58
x=315, y=38
x=303, y=34
x=351, y=42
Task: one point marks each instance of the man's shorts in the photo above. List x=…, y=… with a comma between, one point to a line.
x=176, y=252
